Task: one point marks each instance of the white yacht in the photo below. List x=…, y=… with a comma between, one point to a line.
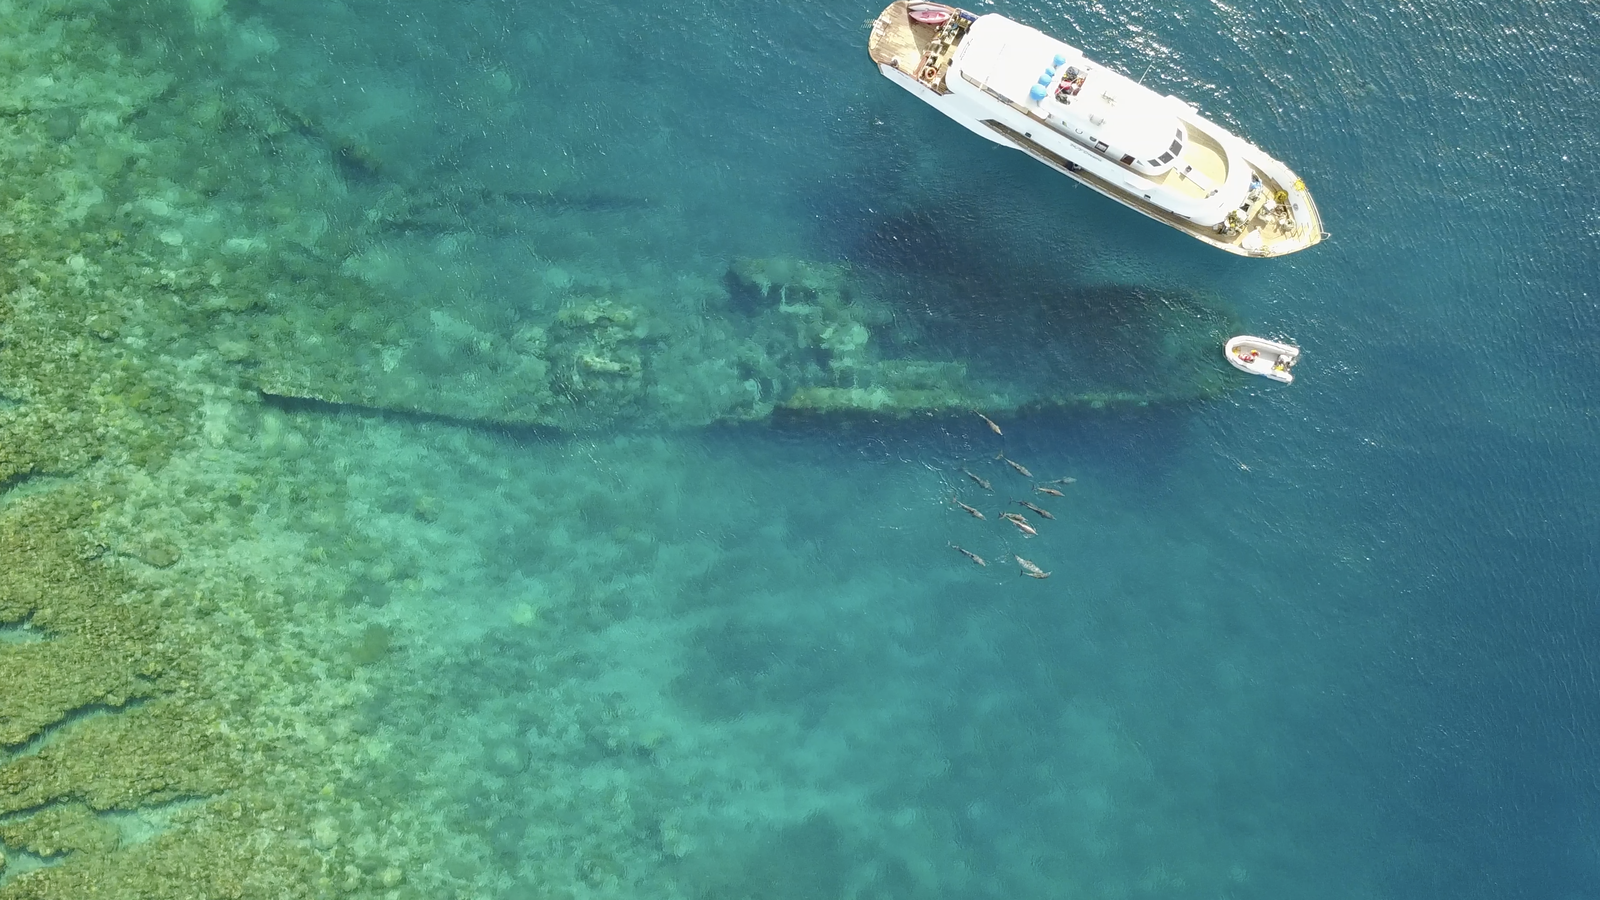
x=1022, y=88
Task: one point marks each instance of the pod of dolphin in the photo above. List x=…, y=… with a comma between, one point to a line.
x=1016, y=519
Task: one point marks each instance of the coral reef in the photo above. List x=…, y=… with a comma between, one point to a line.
x=67, y=828
x=134, y=754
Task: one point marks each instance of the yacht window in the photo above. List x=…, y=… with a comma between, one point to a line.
x=1177, y=147
x=1165, y=158
x=1128, y=160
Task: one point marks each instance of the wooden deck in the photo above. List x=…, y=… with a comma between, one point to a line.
x=921, y=51
x=1279, y=231
x=897, y=41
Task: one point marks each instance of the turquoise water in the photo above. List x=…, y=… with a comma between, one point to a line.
x=1331, y=640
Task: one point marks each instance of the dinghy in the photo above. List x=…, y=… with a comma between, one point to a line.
x=1259, y=356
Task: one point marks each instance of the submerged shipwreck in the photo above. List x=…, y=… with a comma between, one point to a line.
x=776, y=337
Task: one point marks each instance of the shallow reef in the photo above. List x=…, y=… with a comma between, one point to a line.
x=139, y=753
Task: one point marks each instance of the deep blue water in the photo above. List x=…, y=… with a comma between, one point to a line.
x=1329, y=640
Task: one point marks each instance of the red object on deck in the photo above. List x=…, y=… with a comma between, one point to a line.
x=929, y=15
